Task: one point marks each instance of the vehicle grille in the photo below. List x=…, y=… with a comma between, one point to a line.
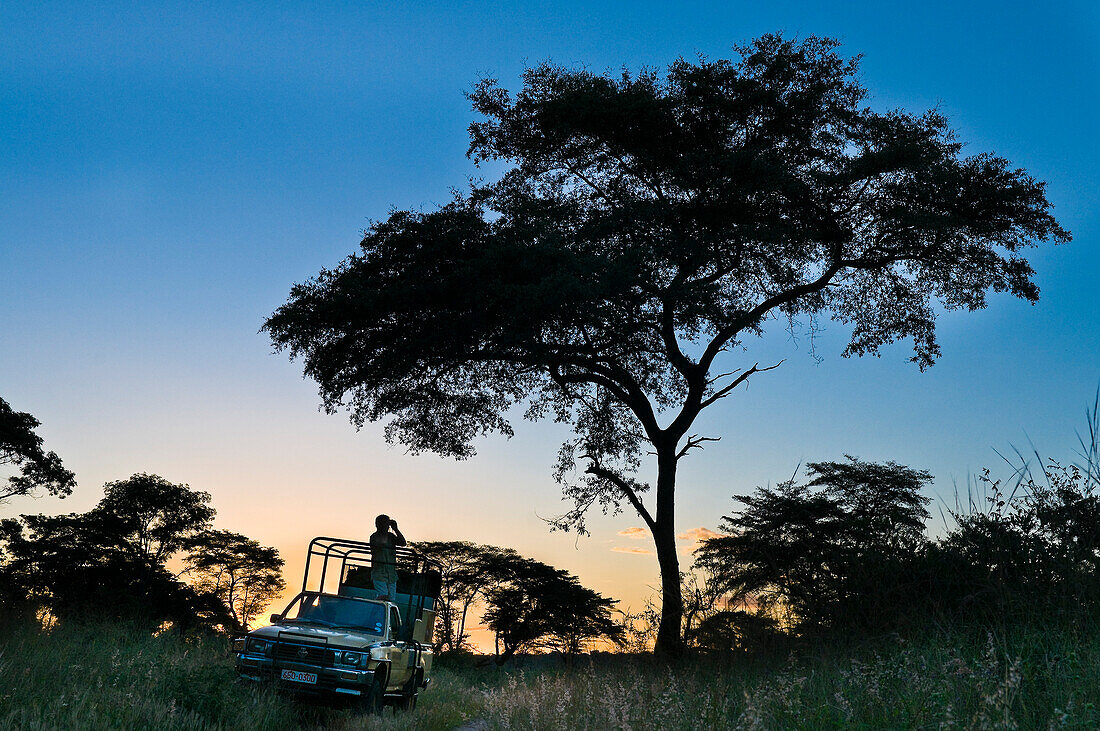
x=313, y=655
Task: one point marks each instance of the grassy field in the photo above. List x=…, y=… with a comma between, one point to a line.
x=108, y=678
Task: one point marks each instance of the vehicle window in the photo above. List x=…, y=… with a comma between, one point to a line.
x=336, y=611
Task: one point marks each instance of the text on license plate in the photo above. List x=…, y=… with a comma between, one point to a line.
x=300, y=677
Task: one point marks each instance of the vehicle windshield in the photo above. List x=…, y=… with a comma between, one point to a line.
x=327, y=610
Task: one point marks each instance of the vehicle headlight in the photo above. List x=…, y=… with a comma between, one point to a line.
x=255, y=644
x=351, y=658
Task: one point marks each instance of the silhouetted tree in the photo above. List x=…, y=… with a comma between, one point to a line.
x=540, y=607
x=528, y=604
x=648, y=225
x=150, y=517
x=882, y=503
x=828, y=552
x=238, y=570
x=468, y=571
x=68, y=565
x=110, y=562
x=22, y=449
x=580, y=618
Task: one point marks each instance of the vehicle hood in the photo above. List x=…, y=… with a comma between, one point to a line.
x=342, y=637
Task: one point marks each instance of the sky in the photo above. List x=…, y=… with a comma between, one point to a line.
x=168, y=172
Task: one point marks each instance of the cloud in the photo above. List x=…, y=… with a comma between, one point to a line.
x=634, y=532
x=632, y=549
x=698, y=534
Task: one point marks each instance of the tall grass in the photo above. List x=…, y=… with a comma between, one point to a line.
x=114, y=677
x=96, y=677
x=1033, y=679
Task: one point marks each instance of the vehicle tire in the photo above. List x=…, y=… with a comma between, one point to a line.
x=373, y=700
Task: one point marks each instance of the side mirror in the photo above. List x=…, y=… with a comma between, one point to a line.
x=276, y=618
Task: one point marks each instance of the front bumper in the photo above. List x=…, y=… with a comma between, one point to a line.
x=330, y=680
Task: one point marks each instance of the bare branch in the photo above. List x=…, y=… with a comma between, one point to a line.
x=720, y=376
x=722, y=392
x=695, y=441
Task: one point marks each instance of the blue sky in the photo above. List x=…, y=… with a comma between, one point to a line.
x=167, y=172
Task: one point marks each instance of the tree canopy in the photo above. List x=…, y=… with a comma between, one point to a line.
x=646, y=228
x=151, y=517
x=22, y=449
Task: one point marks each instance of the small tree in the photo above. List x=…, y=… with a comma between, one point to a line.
x=528, y=604
x=540, y=607
x=582, y=617
x=22, y=449
x=238, y=570
x=647, y=228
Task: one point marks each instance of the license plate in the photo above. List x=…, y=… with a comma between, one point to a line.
x=299, y=677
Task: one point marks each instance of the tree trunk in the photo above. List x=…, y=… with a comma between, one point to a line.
x=670, y=642
x=462, y=624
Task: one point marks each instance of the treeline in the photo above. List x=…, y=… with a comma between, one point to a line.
x=112, y=562
x=844, y=553
x=529, y=606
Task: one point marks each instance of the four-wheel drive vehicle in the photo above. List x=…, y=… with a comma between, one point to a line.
x=349, y=642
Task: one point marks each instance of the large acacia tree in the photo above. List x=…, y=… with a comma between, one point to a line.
x=644, y=230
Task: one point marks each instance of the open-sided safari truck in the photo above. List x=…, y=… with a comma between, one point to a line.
x=337, y=638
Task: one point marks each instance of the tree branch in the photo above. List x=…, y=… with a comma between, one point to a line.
x=764, y=307
x=626, y=390
x=721, y=393
x=594, y=468
x=695, y=441
x=672, y=346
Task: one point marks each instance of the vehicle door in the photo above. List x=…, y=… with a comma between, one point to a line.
x=400, y=654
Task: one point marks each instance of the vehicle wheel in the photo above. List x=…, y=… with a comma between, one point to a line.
x=373, y=701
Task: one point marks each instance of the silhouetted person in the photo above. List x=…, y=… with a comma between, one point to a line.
x=383, y=545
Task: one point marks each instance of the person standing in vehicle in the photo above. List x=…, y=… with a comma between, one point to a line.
x=383, y=545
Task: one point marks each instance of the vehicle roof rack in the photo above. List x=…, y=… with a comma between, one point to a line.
x=355, y=554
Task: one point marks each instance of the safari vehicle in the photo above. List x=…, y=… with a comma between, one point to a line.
x=338, y=639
